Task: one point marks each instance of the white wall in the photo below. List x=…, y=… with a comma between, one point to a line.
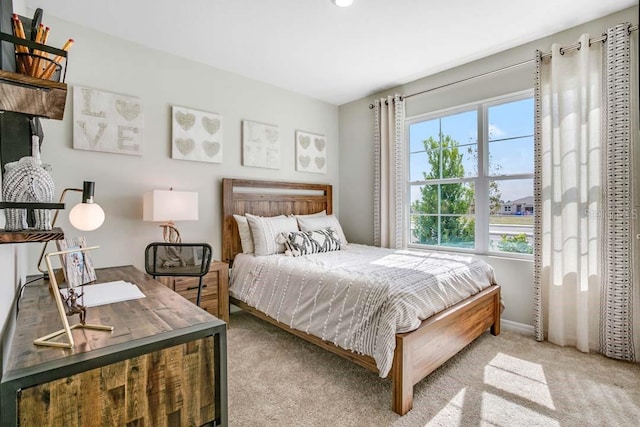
x=356, y=142
x=20, y=7
x=162, y=80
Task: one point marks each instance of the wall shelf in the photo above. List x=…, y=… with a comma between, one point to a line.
x=30, y=205
x=29, y=95
x=28, y=236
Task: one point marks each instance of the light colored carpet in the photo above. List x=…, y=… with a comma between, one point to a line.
x=278, y=379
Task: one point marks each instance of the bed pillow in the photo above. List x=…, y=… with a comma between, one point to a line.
x=245, y=234
x=308, y=223
x=310, y=242
x=313, y=215
x=265, y=230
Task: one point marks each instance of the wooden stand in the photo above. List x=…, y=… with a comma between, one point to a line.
x=45, y=340
x=215, y=289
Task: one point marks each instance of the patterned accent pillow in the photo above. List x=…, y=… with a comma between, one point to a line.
x=310, y=242
x=321, y=222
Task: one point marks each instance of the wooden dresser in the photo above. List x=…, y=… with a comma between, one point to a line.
x=215, y=289
x=164, y=364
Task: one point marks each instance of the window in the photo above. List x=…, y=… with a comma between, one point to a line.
x=470, y=177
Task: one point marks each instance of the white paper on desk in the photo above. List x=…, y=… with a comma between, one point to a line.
x=106, y=293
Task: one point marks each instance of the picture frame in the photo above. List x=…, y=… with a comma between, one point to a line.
x=260, y=145
x=196, y=135
x=311, y=152
x=107, y=122
x=77, y=266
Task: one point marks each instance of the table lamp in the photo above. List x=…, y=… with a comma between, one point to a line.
x=85, y=216
x=60, y=305
x=169, y=206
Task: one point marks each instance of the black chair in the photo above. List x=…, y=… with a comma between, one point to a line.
x=178, y=259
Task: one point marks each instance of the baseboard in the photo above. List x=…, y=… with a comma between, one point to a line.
x=521, y=328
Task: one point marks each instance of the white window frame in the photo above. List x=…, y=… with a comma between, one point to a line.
x=481, y=181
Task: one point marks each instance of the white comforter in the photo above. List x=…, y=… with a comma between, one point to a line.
x=358, y=298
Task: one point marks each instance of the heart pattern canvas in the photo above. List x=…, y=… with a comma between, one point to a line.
x=311, y=152
x=105, y=121
x=260, y=145
x=196, y=135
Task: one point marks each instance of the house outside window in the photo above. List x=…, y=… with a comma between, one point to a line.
x=470, y=177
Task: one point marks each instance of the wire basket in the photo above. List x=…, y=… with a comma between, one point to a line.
x=34, y=65
x=51, y=63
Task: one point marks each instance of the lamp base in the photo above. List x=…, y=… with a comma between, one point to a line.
x=53, y=284
x=44, y=341
x=170, y=233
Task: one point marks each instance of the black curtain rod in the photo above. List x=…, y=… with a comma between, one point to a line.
x=508, y=67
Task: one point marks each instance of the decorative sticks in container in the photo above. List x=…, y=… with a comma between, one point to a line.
x=34, y=62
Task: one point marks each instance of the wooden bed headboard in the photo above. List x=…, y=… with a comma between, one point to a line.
x=267, y=198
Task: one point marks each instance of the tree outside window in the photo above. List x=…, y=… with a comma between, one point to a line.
x=445, y=172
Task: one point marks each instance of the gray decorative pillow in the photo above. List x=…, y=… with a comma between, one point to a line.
x=310, y=242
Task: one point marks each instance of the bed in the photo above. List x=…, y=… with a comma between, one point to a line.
x=418, y=352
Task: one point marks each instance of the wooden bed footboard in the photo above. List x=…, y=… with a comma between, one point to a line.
x=420, y=352
x=440, y=337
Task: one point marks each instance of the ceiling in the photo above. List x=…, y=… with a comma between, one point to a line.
x=334, y=54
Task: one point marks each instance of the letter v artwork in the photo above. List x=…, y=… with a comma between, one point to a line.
x=105, y=121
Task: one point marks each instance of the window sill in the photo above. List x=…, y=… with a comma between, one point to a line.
x=492, y=255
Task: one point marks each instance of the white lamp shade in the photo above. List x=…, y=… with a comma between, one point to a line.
x=164, y=205
x=86, y=216
x=343, y=3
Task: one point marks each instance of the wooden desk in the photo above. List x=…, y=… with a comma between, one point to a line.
x=165, y=362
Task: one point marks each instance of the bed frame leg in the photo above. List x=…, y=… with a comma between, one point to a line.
x=497, y=311
x=402, y=380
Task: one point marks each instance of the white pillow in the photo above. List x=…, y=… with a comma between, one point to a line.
x=313, y=215
x=245, y=234
x=265, y=230
x=310, y=223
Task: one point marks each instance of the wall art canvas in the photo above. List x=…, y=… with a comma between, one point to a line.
x=260, y=145
x=105, y=121
x=196, y=135
x=77, y=266
x=311, y=152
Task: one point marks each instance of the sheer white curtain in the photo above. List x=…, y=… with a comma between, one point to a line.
x=577, y=145
x=568, y=181
x=388, y=177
